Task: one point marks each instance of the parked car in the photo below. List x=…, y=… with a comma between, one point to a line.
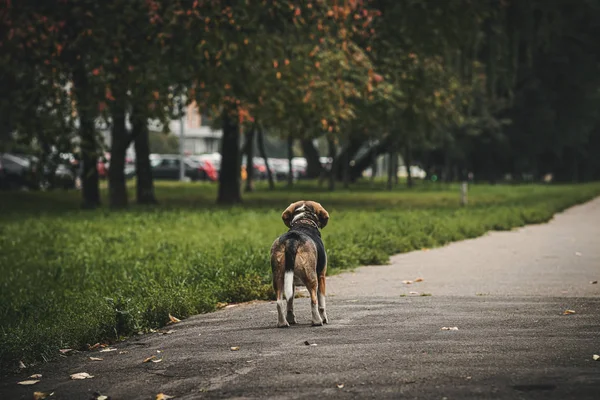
x=166, y=166
x=17, y=172
x=212, y=174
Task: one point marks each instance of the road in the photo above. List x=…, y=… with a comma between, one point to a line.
x=506, y=292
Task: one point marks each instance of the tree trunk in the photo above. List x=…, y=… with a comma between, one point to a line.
x=229, y=177
x=143, y=170
x=332, y=155
x=250, y=158
x=290, y=151
x=263, y=154
x=365, y=161
x=390, y=180
x=346, y=170
x=408, y=163
x=90, y=191
x=313, y=163
x=347, y=154
x=373, y=165
x=117, y=189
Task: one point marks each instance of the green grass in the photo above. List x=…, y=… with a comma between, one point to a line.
x=70, y=278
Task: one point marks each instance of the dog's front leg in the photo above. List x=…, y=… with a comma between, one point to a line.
x=291, y=317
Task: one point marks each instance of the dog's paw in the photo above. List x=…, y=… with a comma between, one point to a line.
x=291, y=319
x=317, y=323
x=325, y=320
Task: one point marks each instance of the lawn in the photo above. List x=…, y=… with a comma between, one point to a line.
x=69, y=278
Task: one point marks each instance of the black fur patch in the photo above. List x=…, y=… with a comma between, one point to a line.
x=300, y=234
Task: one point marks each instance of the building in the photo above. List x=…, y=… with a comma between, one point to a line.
x=199, y=137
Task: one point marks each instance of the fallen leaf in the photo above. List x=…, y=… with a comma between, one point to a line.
x=230, y=306
x=407, y=282
x=567, y=312
x=234, y=348
x=22, y=365
x=162, y=396
x=157, y=360
x=149, y=359
x=123, y=352
x=340, y=385
x=42, y=395
x=98, y=396
x=309, y=343
x=593, y=282
x=419, y=280
x=81, y=375
x=36, y=376
x=29, y=382
x=96, y=359
x=94, y=346
x=413, y=292
x=173, y=320
x=65, y=351
x=596, y=357
x=106, y=350
x=451, y=328
x=166, y=332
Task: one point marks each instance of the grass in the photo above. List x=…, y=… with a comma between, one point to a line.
x=69, y=278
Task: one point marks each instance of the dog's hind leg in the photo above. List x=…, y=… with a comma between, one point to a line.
x=290, y=290
x=281, y=320
x=321, y=298
x=311, y=285
x=278, y=268
x=290, y=316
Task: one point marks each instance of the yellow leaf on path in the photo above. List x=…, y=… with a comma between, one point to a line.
x=278, y=75
x=29, y=382
x=65, y=351
x=451, y=328
x=42, y=395
x=149, y=359
x=234, y=348
x=419, y=280
x=36, y=376
x=596, y=357
x=567, y=312
x=340, y=385
x=157, y=360
x=162, y=396
x=108, y=349
x=96, y=359
x=407, y=282
x=94, y=346
x=173, y=320
x=102, y=397
x=81, y=375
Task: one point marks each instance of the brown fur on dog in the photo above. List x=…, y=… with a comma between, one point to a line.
x=318, y=209
x=299, y=255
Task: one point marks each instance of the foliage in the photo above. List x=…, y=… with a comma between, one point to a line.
x=71, y=278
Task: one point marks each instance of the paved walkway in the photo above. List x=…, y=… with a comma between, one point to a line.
x=505, y=292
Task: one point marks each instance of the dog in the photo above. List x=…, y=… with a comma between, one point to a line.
x=299, y=256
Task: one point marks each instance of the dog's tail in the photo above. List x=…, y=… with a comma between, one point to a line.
x=291, y=247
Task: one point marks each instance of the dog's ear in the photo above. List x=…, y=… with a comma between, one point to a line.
x=289, y=213
x=321, y=213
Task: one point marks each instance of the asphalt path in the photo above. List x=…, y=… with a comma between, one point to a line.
x=503, y=296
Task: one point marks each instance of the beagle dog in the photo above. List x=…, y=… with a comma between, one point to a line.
x=299, y=256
